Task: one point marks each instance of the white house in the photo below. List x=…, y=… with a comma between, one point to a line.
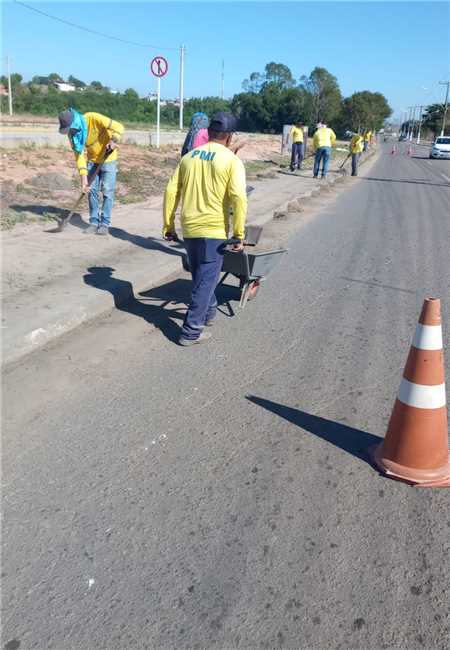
x=64, y=87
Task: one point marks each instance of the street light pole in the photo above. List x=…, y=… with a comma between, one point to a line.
x=420, y=124
x=445, y=83
x=182, y=48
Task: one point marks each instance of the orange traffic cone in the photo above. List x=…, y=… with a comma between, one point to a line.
x=415, y=448
x=393, y=150
x=410, y=150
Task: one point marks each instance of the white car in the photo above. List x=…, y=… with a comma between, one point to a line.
x=441, y=148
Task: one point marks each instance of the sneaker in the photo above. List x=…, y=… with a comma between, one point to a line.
x=204, y=336
x=91, y=229
x=103, y=230
x=210, y=323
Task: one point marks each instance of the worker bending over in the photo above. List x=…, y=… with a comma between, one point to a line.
x=94, y=138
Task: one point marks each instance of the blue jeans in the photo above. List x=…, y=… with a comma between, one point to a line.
x=366, y=145
x=322, y=155
x=205, y=261
x=105, y=182
x=296, y=155
x=355, y=160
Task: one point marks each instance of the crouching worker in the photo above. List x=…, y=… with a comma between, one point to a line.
x=209, y=181
x=94, y=140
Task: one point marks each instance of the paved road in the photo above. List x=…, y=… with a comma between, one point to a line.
x=219, y=497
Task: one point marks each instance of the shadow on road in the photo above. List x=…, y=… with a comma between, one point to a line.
x=412, y=181
x=353, y=441
x=100, y=277
x=159, y=306
x=150, y=243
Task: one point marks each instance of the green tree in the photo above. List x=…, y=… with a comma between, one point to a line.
x=325, y=95
x=363, y=110
x=96, y=85
x=76, y=82
x=433, y=118
x=54, y=76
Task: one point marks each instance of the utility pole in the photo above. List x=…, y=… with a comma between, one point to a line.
x=410, y=123
x=182, y=52
x=8, y=69
x=445, y=83
x=420, y=124
x=222, y=81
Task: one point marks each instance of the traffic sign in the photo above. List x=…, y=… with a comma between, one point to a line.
x=159, y=66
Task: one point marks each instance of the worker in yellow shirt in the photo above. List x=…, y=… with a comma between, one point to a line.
x=324, y=138
x=356, y=148
x=94, y=140
x=297, y=153
x=209, y=180
x=367, y=140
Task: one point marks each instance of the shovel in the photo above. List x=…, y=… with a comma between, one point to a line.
x=65, y=220
x=341, y=169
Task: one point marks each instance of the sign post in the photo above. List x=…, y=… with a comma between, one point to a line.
x=158, y=68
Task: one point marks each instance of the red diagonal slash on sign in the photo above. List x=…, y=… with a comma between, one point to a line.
x=159, y=66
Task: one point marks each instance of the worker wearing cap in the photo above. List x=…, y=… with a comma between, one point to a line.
x=356, y=148
x=94, y=138
x=297, y=153
x=210, y=182
x=324, y=138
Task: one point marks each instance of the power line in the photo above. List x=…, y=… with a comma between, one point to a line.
x=92, y=31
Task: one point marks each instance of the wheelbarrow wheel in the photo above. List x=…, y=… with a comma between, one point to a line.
x=253, y=289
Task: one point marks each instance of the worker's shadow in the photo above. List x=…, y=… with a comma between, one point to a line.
x=354, y=441
x=169, y=299
x=160, y=306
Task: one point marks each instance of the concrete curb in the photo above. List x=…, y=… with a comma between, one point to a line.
x=86, y=308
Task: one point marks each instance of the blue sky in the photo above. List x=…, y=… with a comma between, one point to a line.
x=398, y=48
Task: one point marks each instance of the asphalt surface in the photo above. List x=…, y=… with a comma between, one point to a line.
x=220, y=496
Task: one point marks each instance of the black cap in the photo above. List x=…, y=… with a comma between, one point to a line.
x=223, y=122
x=65, y=120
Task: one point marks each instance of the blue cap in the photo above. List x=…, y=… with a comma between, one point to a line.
x=223, y=122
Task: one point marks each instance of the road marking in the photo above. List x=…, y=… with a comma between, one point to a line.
x=446, y=178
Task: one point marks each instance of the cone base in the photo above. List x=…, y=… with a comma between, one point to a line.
x=438, y=477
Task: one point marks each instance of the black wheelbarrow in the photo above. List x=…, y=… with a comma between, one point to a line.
x=251, y=269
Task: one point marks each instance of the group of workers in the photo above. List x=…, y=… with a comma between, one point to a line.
x=210, y=184
x=323, y=140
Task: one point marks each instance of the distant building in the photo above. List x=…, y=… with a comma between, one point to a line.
x=64, y=87
x=3, y=90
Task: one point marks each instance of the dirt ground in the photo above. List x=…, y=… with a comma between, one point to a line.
x=39, y=184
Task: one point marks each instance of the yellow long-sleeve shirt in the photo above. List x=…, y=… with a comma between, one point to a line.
x=368, y=136
x=324, y=137
x=209, y=180
x=356, y=143
x=296, y=134
x=101, y=130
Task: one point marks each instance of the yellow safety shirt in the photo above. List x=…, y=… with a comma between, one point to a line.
x=324, y=137
x=296, y=134
x=209, y=180
x=101, y=130
x=356, y=144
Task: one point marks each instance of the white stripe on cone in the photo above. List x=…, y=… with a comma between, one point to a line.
x=421, y=396
x=428, y=337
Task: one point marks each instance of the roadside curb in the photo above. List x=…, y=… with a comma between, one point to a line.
x=143, y=273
